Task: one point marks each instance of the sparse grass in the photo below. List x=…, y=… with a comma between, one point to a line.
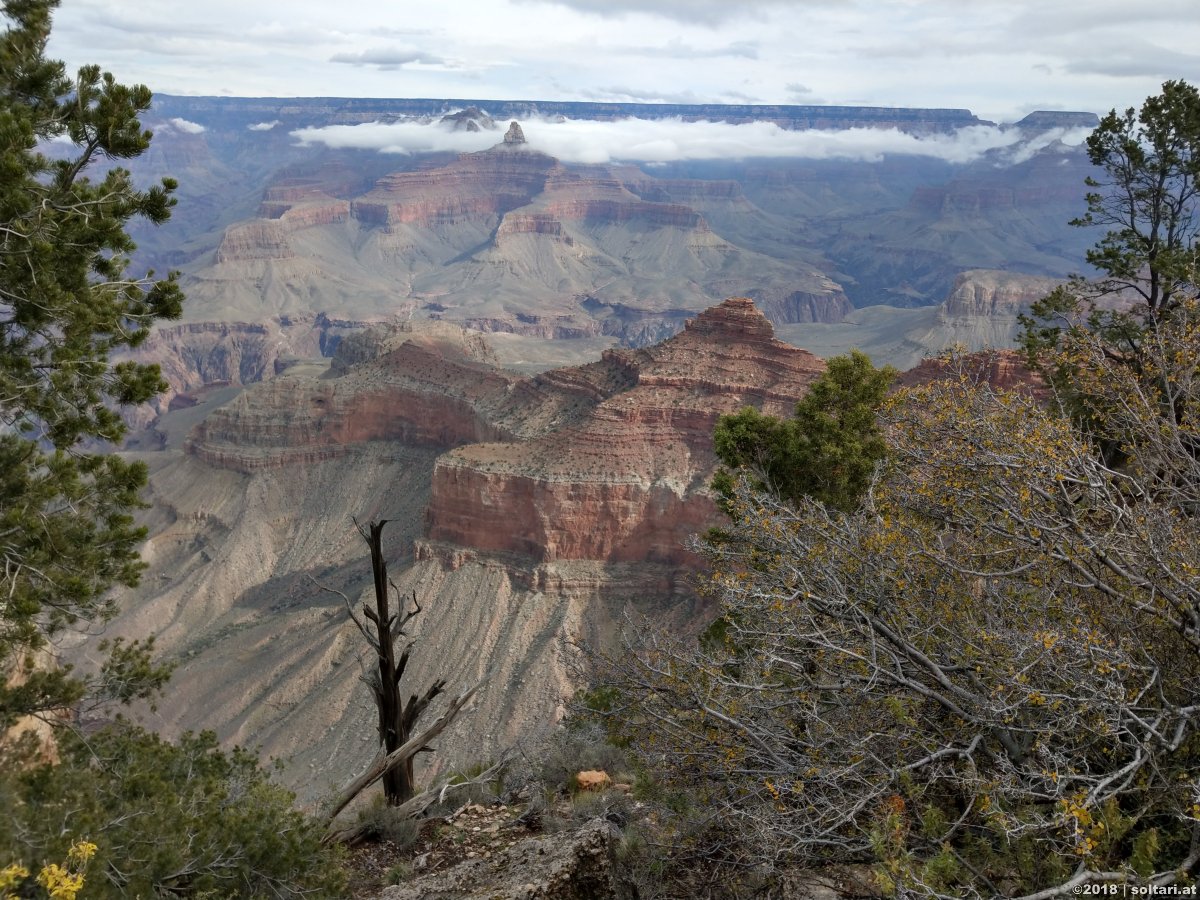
x=399, y=873
x=385, y=823
x=577, y=748
x=584, y=806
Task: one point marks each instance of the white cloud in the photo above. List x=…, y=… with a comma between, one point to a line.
x=995, y=57
x=407, y=136
x=670, y=140
x=1071, y=137
x=263, y=126
x=710, y=12
x=188, y=127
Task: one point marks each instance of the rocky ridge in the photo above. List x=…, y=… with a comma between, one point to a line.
x=569, y=515
x=505, y=239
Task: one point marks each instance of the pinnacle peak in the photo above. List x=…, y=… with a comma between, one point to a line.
x=514, y=135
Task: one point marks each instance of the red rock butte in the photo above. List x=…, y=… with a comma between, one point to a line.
x=609, y=461
x=627, y=482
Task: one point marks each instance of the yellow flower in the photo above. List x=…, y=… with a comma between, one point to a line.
x=11, y=876
x=82, y=851
x=59, y=883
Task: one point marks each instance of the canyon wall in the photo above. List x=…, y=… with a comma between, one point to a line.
x=528, y=513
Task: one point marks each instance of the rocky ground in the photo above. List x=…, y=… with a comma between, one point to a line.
x=501, y=850
x=594, y=841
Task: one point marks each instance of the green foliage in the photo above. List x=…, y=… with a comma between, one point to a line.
x=828, y=450
x=66, y=304
x=954, y=679
x=170, y=820
x=1147, y=196
x=578, y=746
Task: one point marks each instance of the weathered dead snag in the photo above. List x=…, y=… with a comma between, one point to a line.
x=384, y=631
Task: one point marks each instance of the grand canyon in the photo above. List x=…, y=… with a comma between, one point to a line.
x=624, y=450
x=518, y=362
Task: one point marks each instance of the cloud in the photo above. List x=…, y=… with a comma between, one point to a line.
x=188, y=127
x=677, y=49
x=670, y=140
x=389, y=58
x=1070, y=137
x=707, y=12
x=263, y=126
x=621, y=94
x=406, y=136
x=1126, y=62
x=802, y=94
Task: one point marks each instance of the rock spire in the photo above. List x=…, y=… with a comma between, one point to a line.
x=514, y=135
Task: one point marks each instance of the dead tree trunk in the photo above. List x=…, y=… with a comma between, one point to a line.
x=397, y=718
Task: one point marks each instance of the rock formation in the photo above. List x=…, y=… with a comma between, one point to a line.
x=578, y=865
x=982, y=292
x=626, y=483
x=531, y=512
x=514, y=135
x=197, y=355
x=1002, y=370
x=505, y=239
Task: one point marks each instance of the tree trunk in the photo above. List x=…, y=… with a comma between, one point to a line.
x=398, y=782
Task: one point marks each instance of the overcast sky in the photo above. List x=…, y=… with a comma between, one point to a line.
x=998, y=58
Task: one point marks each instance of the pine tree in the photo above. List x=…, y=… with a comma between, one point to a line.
x=827, y=450
x=1146, y=194
x=66, y=304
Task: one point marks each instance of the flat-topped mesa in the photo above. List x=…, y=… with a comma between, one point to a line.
x=1043, y=120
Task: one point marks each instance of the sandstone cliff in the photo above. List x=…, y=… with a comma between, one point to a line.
x=528, y=513
x=198, y=355
x=507, y=239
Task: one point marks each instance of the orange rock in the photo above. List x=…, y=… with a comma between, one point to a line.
x=592, y=780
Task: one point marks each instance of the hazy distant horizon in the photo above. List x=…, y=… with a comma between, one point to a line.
x=999, y=58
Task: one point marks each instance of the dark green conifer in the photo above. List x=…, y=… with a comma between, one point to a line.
x=66, y=304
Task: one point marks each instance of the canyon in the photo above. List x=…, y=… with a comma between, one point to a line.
x=527, y=514
x=506, y=239
x=518, y=362
x=277, y=229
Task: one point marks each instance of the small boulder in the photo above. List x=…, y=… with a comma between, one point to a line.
x=592, y=780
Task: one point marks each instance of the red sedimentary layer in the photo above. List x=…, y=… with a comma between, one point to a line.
x=476, y=185
x=609, y=461
x=413, y=395
x=625, y=210
x=628, y=482
x=1001, y=369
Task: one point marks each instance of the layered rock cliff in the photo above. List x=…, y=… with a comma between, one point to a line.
x=627, y=483
x=529, y=512
x=987, y=292
x=196, y=355
x=506, y=239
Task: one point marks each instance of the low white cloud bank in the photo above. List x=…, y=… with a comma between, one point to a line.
x=671, y=140
x=188, y=127
x=263, y=126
